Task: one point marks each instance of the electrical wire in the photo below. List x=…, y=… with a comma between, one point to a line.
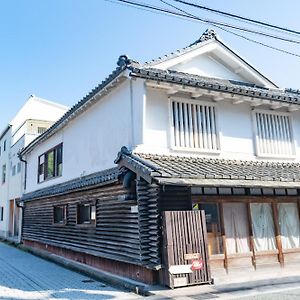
x=236, y=34
x=161, y=9
x=164, y=11
x=249, y=20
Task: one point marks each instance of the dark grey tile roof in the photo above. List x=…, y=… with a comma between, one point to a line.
x=182, y=167
x=145, y=71
x=214, y=84
x=81, y=183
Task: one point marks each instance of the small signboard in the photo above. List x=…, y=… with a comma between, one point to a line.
x=191, y=256
x=180, y=269
x=197, y=264
x=180, y=281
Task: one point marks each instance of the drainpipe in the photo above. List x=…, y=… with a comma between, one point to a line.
x=25, y=173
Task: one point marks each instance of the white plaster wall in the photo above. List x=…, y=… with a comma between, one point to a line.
x=207, y=66
x=92, y=140
x=235, y=126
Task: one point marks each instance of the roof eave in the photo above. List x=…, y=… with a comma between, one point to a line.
x=227, y=183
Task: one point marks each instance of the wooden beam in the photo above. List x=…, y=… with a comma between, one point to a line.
x=251, y=236
x=256, y=103
x=293, y=108
x=172, y=92
x=219, y=97
x=275, y=105
x=238, y=101
x=223, y=235
x=197, y=94
x=277, y=234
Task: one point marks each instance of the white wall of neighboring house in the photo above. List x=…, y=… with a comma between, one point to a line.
x=4, y=160
x=35, y=115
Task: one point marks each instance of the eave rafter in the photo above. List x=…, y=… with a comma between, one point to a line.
x=173, y=89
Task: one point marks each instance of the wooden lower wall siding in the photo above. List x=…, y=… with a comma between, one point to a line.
x=119, y=268
x=115, y=236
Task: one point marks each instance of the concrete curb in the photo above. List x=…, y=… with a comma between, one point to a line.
x=106, y=277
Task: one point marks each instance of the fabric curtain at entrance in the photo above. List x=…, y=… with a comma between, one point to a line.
x=263, y=226
x=236, y=228
x=288, y=217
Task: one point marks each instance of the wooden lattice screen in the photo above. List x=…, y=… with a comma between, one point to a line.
x=185, y=248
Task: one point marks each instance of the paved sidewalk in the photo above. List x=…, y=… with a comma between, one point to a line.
x=24, y=276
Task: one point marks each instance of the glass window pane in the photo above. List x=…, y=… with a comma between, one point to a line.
x=93, y=213
x=288, y=217
x=236, y=228
x=263, y=226
x=59, y=214
x=50, y=164
x=213, y=227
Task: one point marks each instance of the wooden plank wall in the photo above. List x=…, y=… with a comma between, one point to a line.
x=115, y=235
x=175, y=198
x=149, y=223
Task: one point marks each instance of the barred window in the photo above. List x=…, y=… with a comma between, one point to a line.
x=274, y=136
x=194, y=126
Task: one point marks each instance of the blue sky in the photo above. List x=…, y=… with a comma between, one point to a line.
x=60, y=49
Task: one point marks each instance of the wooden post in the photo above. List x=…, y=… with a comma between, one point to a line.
x=277, y=234
x=298, y=202
x=251, y=237
x=223, y=236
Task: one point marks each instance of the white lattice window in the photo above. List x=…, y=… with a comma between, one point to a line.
x=274, y=134
x=194, y=126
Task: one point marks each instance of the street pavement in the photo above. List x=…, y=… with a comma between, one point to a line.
x=24, y=276
x=271, y=289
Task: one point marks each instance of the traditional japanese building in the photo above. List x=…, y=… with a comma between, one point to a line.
x=175, y=171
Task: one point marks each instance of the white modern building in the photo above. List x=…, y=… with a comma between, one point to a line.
x=203, y=130
x=34, y=118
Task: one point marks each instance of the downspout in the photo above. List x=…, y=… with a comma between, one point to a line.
x=25, y=172
x=21, y=204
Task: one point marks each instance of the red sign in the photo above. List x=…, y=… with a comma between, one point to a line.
x=197, y=264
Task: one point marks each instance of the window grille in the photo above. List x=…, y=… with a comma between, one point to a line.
x=194, y=126
x=274, y=135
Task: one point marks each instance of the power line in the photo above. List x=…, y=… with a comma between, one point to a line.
x=257, y=22
x=212, y=22
x=236, y=34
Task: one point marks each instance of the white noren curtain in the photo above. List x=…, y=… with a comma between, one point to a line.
x=288, y=217
x=236, y=228
x=263, y=226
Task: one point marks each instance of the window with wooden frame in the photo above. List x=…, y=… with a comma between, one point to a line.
x=60, y=214
x=86, y=214
x=50, y=163
x=194, y=126
x=273, y=134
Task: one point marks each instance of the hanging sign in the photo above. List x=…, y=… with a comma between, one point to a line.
x=197, y=264
x=191, y=256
